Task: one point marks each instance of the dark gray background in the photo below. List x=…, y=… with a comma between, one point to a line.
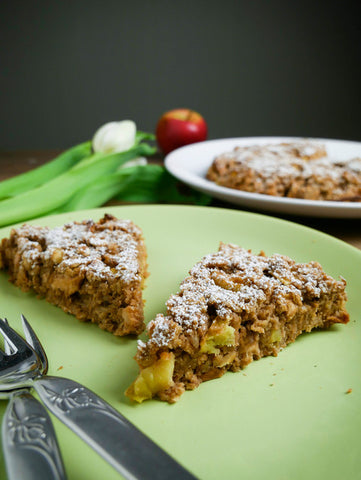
x=250, y=67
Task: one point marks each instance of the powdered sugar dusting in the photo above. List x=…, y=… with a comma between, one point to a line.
x=161, y=330
x=299, y=159
x=102, y=251
x=233, y=280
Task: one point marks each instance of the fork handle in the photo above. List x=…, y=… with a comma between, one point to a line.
x=111, y=435
x=30, y=447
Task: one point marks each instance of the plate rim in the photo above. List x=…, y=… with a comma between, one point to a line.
x=158, y=409
x=260, y=201
x=111, y=208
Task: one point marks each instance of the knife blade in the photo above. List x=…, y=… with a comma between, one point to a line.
x=109, y=433
x=30, y=446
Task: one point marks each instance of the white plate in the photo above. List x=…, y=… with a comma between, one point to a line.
x=190, y=164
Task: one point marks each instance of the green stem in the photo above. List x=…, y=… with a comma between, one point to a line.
x=99, y=192
x=55, y=193
x=37, y=176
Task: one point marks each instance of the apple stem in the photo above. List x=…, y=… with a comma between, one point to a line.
x=190, y=113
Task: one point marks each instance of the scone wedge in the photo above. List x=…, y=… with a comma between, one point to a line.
x=234, y=307
x=296, y=170
x=93, y=270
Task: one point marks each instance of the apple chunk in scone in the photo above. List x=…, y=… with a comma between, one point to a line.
x=233, y=308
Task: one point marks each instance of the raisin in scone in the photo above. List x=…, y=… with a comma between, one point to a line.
x=93, y=270
x=234, y=307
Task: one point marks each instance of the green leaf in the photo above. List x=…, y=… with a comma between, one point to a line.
x=40, y=175
x=142, y=136
x=138, y=184
x=153, y=184
x=59, y=191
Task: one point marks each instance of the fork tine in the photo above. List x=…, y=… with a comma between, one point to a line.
x=19, y=366
x=14, y=340
x=22, y=360
x=34, y=341
x=7, y=346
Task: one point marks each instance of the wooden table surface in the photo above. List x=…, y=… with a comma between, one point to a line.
x=348, y=230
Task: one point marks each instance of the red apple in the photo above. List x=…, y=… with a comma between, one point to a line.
x=179, y=127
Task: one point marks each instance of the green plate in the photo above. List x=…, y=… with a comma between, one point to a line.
x=288, y=417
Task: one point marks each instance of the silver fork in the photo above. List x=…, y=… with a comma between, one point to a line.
x=108, y=432
x=29, y=442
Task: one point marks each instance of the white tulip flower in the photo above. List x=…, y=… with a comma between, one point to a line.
x=115, y=137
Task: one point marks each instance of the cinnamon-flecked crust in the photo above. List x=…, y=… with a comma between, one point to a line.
x=268, y=301
x=295, y=170
x=93, y=270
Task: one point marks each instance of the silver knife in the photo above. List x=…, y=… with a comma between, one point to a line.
x=29, y=443
x=117, y=440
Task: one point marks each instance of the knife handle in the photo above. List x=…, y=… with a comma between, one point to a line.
x=108, y=432
x=30, y=446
